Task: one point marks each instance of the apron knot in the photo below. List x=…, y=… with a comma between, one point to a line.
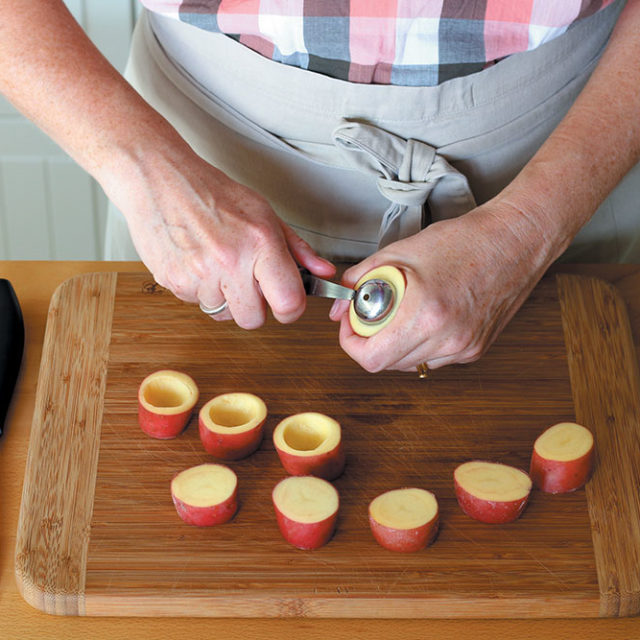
x=409, y=173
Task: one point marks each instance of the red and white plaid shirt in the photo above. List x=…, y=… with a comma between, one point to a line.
x=405, y=42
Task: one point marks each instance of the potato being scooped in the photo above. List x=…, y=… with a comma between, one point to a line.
x=394, y=278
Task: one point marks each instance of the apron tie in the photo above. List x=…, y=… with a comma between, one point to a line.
x=409, y=173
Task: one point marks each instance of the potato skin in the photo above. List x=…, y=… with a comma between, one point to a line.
x=328, y=465
x=231, y=446
x=490, y=511
x=555, y=476
x=165, y=423
x=306, y=535
x=207, y=516
x=161, y=426
x=404, y=540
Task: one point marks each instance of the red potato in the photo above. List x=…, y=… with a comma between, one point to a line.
x=562, y=458
x=205, y=495
x=306, y=510
x=310, y=444
x=166, y=400
x=231, y=425
x=404, y=520
x=395, y=278
x=491, y=492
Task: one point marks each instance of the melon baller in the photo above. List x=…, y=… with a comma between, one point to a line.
x=372, y=300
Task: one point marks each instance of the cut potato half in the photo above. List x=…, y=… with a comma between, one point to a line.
x=306, y=509
x=166, y=399
x=231, y=425
x=233, y=412
x=310, y=444
x=168, y=392
x=564, y=441
x=404, y=520
x=562, y=458
x=491, y=492
x=404, y=508
x=205, y=495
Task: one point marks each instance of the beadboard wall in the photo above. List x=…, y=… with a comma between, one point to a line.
x=50, y=208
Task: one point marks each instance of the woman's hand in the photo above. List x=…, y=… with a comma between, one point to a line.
x=466, y=278
x=203, y=236
x=209, y=239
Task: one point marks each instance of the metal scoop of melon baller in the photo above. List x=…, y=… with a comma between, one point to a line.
x=372, y=301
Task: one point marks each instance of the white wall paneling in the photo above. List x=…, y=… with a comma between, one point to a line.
x=50, y=208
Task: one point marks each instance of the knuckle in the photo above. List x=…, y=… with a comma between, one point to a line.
x=261, y=231
x=179, y=285
x=459, y=343
x=371, y=363
x=288, y=307
x=226, y=258
x=299, y=242
x=162, y=280
x=249, y=323
x=438, y=316
x=199, y=267
x=474, y=353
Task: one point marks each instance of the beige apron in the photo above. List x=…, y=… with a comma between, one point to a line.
x=352, y=167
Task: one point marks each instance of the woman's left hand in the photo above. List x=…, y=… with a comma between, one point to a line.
x=465, y=279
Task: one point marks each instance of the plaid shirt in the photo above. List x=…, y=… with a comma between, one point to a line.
x=405, y=42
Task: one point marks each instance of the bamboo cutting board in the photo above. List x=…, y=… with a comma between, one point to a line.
x=98, y=533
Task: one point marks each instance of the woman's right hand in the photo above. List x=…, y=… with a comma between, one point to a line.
x=209, y=239
x=203, y=236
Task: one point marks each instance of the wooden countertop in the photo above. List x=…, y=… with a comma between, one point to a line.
x=34, y=283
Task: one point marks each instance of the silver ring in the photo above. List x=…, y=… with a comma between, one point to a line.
x=216, y=310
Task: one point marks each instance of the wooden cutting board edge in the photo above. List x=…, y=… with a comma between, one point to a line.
x=51, y=546
x=596, y=325
x=59, y=587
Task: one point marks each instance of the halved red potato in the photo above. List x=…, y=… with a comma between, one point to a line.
x=404, y=520
x=310, y=444
x=231, y=425
x=306, y=510
x=396, y=279
x=491, y=492
x=166, y=399
x=562, y=458
x=205, y=495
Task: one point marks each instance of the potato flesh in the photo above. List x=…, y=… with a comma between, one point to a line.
x=305, y=499
x=168, y=392
x=165, y=393
x=230, y=416
x=493, y=481
x=234, y=412
x=304, y=437
x=404, y=508
x=205, y=485
x=307, y=434
x=564, y=442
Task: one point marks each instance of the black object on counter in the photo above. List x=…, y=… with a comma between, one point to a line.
x=11, y=345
